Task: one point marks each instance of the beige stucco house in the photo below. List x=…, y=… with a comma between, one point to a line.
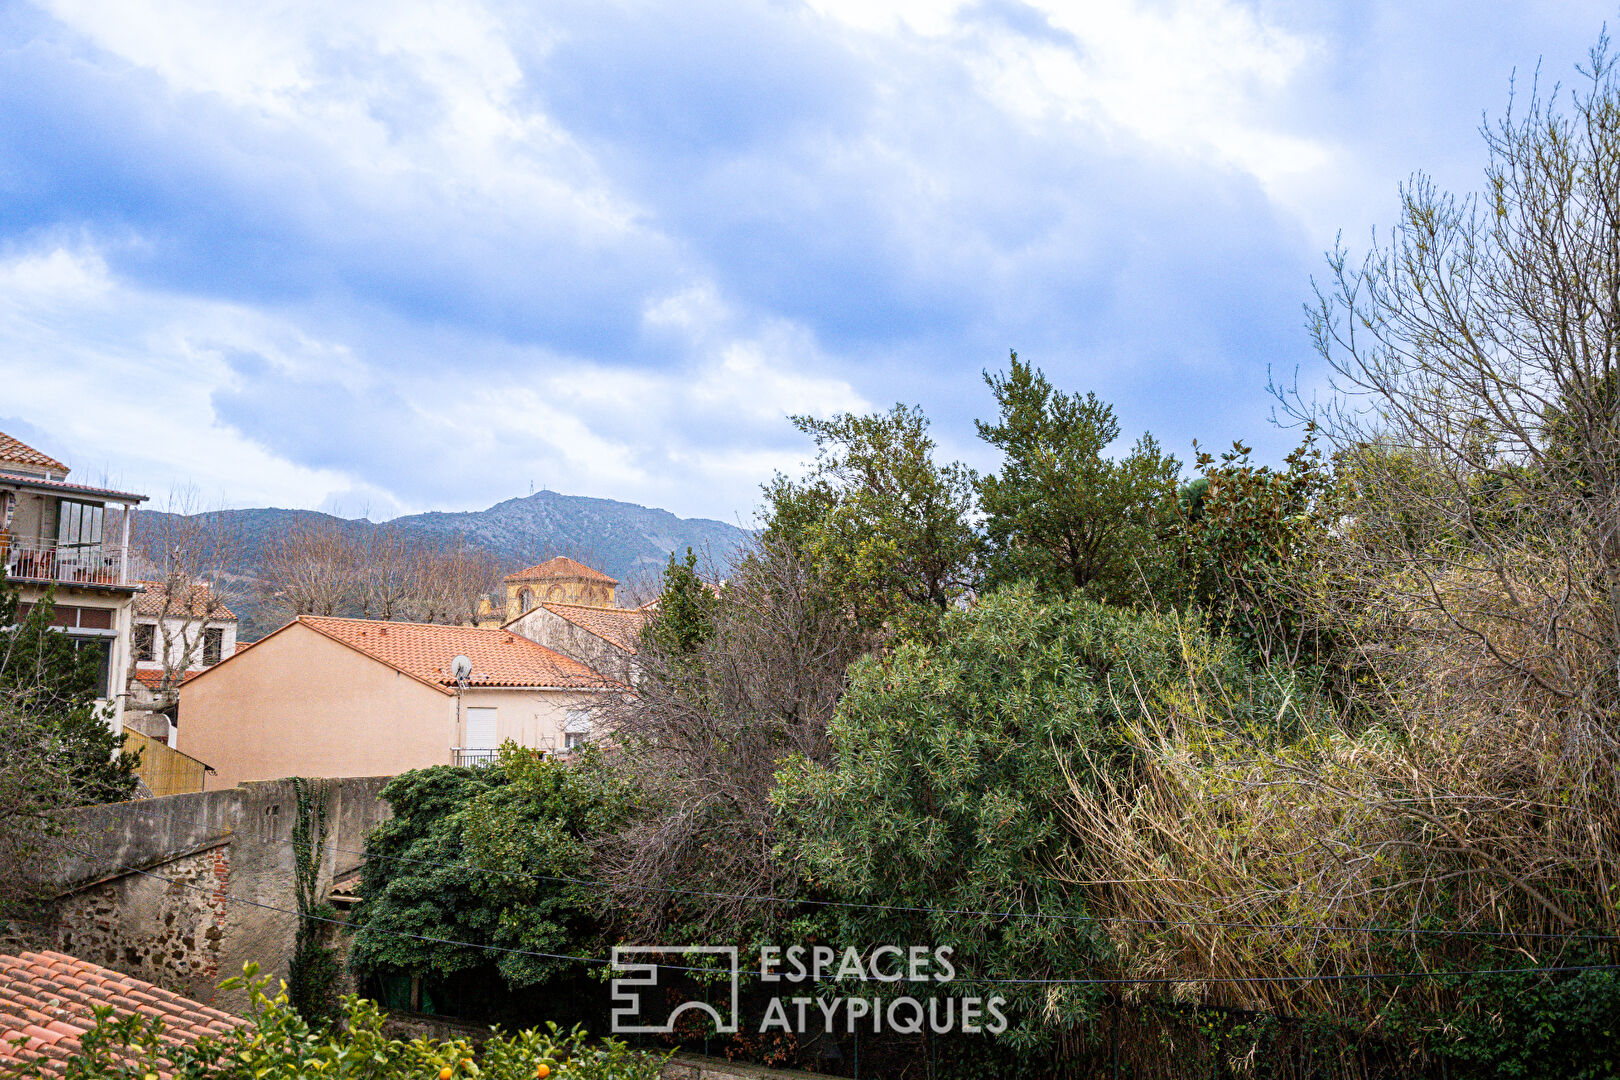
x=73, y=539
x=358, y=697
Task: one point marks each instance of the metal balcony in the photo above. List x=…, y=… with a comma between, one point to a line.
x=69, y=564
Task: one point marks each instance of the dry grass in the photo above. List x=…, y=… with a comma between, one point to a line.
x=1463, y=802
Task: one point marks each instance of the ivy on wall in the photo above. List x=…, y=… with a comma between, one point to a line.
x=312, y=977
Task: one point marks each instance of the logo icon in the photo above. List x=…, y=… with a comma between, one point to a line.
x=634, y=1015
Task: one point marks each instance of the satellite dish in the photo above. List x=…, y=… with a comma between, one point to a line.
x=461, y=668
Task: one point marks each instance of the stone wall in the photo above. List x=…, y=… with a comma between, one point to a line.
x=697, y=1067
x=178, y=930
x=183, y=890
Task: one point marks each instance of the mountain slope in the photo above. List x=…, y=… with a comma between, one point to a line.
x=630, y=542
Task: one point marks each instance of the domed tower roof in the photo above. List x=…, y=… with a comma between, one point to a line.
x=562, y=568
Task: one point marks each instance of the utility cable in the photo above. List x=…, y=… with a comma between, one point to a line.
x=1159, y=923
x=971, y=981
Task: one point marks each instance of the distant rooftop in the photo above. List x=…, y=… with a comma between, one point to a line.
x=204, y=604
x=561, y=568
x=620, y=627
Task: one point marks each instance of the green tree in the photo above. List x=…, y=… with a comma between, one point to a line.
x=1060, y=512
x=55, y=680
x=1247, y=533
x=879, y=519
x=471, y=855
x=685, y=613
x=951, y=762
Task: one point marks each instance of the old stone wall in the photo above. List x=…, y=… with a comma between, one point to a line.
x=184, y=890
x=169, y=934
x=262, y=920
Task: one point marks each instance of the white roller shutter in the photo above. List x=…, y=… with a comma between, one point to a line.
x=481, y=729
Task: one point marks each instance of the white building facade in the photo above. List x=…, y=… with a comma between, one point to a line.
x=71, y=540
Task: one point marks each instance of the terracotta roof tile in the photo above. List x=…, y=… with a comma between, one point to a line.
x=620, y=627
x=46, y=997
x=562, y=567
x=152, y=678
x=20, y=453
x=11, y=476
x=499, y=657
x=202, y=601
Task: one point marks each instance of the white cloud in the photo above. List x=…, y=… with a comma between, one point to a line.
x=930, y=18
x=1202, y=78
x=122, y=380
x=631, y=274
x=129, y=379
x=757, y=373
x=421, y=100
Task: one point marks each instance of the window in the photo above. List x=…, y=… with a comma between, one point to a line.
x=213, y=645
x=145, y=641
x=68, y=617
x=576, y=728
x=480, y=730
x=78, y=542
x=100, y=650
x=78, y=524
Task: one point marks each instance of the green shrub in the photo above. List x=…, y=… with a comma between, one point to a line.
x=952, y=765
x=482, y=856
x=1524, y=1024
x=279, y=1043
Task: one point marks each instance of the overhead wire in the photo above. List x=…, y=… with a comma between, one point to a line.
x=765, y=898
x=970, y=980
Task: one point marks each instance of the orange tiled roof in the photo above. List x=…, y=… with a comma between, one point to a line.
x=11, y=476
x=152, y=678
x=20, y=453
x=422, y=651
x=47, y=997
x=560, y=567
x=203, y=603
x=617, y=626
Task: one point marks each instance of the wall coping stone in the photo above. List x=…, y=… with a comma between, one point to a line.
x=125, y=837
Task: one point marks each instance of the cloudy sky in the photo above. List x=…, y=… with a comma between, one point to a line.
x=422, y=254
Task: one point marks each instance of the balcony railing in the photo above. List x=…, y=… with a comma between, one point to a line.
x=462, y=756
x=72, y=564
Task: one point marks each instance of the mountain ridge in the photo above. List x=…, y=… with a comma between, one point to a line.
x=625, y=540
